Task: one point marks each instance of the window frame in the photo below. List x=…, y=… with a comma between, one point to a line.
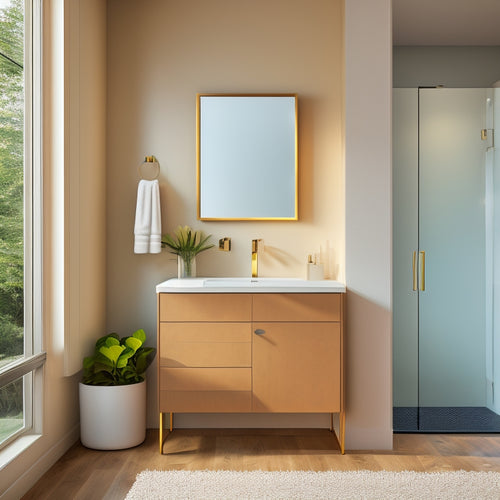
x=30, y=365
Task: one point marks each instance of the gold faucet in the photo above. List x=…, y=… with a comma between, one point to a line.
x=255, y=258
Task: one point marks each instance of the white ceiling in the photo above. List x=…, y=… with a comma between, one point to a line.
x=446, y=22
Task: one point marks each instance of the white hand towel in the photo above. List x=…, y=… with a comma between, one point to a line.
x=147, y=228
x=155, y=240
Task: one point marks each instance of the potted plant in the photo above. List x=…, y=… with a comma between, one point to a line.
x=186, y=244
x=113, y=392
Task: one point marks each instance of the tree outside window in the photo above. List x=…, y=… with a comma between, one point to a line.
x=11, y=207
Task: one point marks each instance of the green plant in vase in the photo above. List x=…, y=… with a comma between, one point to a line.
x=113, y=392
x=186, y=244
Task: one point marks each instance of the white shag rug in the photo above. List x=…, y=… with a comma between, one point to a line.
x=383, y=485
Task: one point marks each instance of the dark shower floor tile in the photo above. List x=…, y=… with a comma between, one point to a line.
x=445, y=419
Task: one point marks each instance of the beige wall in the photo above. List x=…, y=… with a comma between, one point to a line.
x=160, y=54
x=85, y=180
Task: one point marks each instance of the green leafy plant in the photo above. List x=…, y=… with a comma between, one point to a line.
x=187, y=244
x=118, y=361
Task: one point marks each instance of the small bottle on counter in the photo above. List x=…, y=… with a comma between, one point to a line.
x=314, y=270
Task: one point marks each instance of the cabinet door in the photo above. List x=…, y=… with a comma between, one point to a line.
x=296, y=367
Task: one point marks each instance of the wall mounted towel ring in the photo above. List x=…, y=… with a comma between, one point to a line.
x=149, y=169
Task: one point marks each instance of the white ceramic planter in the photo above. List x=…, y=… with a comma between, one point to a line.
x=112, y=417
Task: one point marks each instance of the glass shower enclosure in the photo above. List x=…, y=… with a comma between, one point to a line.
x=446, y=260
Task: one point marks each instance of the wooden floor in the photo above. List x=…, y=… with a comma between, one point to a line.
x=88, y=474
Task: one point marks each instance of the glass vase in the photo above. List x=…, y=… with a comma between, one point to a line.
x=186, y=267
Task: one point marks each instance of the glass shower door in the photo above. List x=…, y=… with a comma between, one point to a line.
x=452, y=251
x=444, y=206
x=405, y=245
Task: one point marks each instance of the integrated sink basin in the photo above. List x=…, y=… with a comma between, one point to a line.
x=245, y=285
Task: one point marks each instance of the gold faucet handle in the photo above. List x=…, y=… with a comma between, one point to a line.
x=225, y=244
x=256, y=245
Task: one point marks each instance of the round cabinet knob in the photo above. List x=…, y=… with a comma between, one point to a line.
x=259, y=331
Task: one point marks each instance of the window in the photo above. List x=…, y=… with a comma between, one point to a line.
x=20, y=344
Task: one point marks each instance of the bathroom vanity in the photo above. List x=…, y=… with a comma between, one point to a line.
x=242, y=345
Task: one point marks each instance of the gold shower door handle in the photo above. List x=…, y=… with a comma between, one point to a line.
x=422, y=270
x=414, y=270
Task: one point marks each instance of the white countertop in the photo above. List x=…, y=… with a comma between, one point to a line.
x=249, y=285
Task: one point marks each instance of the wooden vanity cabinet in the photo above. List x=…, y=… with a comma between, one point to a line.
x=260, y=352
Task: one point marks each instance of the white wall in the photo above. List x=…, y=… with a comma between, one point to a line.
x=461, y=67
x=368, y=223
x=57, y=424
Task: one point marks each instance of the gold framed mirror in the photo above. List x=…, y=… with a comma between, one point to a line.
x=247, y=156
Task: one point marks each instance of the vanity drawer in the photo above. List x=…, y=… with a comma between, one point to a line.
x=206, y=401
x=205, y=344
x=206, y=379
x=205, y=307
x=297, y=307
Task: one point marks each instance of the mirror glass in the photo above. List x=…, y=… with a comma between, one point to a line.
x=247, y=157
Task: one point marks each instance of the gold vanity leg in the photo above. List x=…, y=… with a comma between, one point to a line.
x=161, y=433
x=331, y=422
x=161, y=429
x=342, y=431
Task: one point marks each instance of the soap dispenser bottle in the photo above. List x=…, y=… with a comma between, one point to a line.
x=309, y=266
x=314, y=270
